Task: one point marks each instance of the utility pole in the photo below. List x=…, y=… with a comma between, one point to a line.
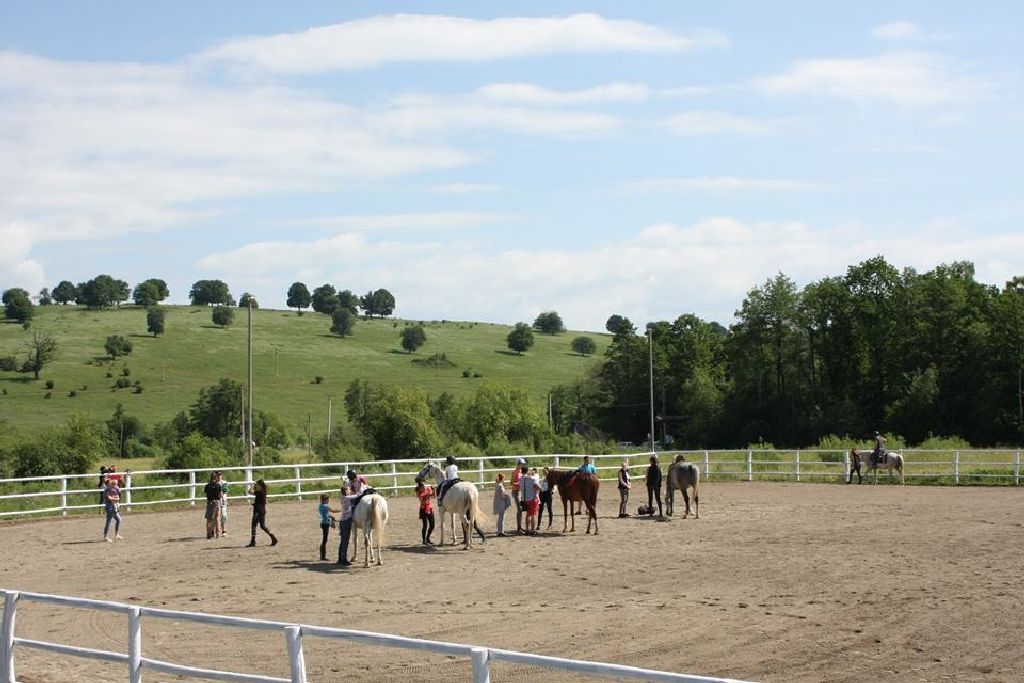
x=650, y=375
x=309, y=436
x=330, y=402
x=249, y=441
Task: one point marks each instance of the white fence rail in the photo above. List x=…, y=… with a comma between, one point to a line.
x=393, y=476
x=136, y=663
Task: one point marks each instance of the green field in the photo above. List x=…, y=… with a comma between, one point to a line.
x=289, y=351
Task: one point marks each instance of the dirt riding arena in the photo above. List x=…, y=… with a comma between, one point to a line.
x=776, y=582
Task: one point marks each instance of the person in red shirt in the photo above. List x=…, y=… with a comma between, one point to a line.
x=424, y=493
x=516, y=474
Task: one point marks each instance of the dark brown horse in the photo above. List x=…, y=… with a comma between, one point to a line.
x=575, y=486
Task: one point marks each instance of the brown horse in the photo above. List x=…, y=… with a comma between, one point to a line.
x=575, y=486
x=681, y=475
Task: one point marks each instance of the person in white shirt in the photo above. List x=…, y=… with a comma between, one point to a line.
x=451, y=477
x=529, y=487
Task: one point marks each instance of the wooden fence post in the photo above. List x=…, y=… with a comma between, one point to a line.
x=10, y=612
x=707, y=463
x=394, y=479
x=135, y=646
x=1016, y=469
x=956, y=467
x=846, y=465
x=128, y=491
x=192, y=488
x=480, y=469
x=798, y=465
x=750, y=465
x=63, y=496
x=298, y=482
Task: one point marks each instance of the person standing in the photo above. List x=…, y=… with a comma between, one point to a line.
x=529, y=488
x=223, y=503
x=546, y=494
x=424, y=493
x=259, y=512
x=624, y=486
x=345, y=524
x=112, y=508
x=212, y=491
x=326, y=522
x=517, y=473
x=653, y=480
x=502, y=502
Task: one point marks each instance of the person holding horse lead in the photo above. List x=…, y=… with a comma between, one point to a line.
x=424, y=493
x=546, y=496
x=876, y=455
x=259, y=511
x=451, y=477
x=624, y=486
x=653, y=480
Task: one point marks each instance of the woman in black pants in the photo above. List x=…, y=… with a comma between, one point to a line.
x=654, y=484
x=259, y=512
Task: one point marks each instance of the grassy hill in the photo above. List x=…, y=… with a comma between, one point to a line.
x=289, y=352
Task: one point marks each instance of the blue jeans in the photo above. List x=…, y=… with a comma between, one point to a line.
x=112, y=514
x=346, y=531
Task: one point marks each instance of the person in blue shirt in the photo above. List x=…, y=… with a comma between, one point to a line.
x=586, y=467
x=326, y=521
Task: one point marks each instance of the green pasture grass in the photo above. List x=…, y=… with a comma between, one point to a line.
x=289, y=352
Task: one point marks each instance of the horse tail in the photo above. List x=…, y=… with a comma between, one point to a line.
x=476, y=514
x=379, y=517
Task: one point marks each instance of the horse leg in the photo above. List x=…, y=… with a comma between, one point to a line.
x=565, y=515
x=670, y=498
x=467, y=536
x=696, y=505
x=686, y=499
x=572, y=517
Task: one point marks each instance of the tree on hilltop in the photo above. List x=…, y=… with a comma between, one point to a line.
x=150, y=292
x=64, y=292
x=210, y=293
x=155, y=320
x=549, y=322
x=585, y=346
x=342, y=322
x=520, y=338
x=223, y=316
x=298, y=296
x=413, y=338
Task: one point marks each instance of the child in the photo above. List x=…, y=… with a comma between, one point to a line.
x=112, y=506
x=624, y=486
x=528, y=489
x=223, y=503
x=326, y=522
x=424, y=492
x=502, y=502
x=259, y=511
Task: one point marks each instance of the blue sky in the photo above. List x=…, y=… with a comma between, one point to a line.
x=488, y=161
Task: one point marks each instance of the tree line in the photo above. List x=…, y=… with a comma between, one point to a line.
x=915, y=354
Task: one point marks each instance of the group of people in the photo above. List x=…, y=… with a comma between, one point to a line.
x=216, y=491
x=354, y=487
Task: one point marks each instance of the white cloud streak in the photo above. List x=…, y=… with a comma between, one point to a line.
x=909, y=79
x=404, y=221
x=638, y=276
x=374, y=41
x=722, y=183
x=527, y=93
x=905, y=31
x=701, y=123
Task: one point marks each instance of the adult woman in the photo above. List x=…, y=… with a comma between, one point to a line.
x=653, y=480
x=259, y=512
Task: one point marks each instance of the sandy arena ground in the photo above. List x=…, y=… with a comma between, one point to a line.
x=776, y=582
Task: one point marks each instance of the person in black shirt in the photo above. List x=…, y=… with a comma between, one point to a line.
x=654, y=485
x=259, y=512
x=213, y=493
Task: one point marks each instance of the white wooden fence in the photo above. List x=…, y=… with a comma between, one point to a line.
x=393, y=476
x=135, y=662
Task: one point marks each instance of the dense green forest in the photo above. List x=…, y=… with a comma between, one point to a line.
x=908, y=353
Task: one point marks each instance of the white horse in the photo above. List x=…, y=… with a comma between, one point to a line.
x=370, y=515
x=681, y=475
x=891, y=461
x=461, y=499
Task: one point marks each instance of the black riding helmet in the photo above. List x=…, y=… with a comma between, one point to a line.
x=450, y=460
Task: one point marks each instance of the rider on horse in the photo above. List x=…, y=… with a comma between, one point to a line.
x=451, y=477
x=878, y=455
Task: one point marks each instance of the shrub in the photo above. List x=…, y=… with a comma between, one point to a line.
x=467, y=373
x=49, y=384
x=85, y=387
x=109, y=373
x=138, y=389
x=126, y=371
x=477, y=375
x=122, y=383
x=9, y=364
x=319, y=379
x=72, y=393
x=48, y=394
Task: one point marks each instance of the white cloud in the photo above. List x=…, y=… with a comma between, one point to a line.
x=527, y=93
x=720, y=257
x=724, y=183
x=464, y=188
x=905, y=78
x=700, y=123
x=404, y=221
x=16, y=268
x=905, y=31
x=373, y=41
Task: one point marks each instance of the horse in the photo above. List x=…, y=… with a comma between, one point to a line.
x=575, y=486
x=889, y=460
x=682, y=474
x=461, y=499
x=370, y=515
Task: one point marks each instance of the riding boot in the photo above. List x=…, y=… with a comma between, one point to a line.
x=323, y=554
x=252, y=543
x=273, y=539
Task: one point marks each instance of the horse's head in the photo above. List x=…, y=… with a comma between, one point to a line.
x=428, y=470
x=680, y=458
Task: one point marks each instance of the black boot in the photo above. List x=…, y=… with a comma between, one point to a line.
x=252, y=543
x=273, y=539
